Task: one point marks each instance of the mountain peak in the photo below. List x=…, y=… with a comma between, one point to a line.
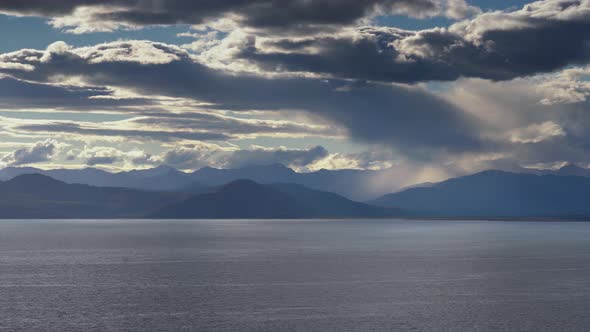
x=33, y=179
x=497, y=194
x=572, y=169
x=248, y=199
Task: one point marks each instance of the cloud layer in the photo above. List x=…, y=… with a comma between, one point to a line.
x=494, y=45
x=39, y=152
x=270, y=81
x=90, y=15
x=373, y=113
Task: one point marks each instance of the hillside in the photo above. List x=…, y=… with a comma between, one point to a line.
x=39, y=196
x=497, y=194
x=248, y=199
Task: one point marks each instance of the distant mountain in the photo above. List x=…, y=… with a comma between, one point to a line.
x=162, y=178
x=262, y=174
x=489, y=194
x=353, y=184
x=567, y=170
x=11, y=172
x=497, y=194
x=573, y=170
x=39, y=196
x=248, y=199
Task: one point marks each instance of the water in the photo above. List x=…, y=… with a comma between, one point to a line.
x=294, y=275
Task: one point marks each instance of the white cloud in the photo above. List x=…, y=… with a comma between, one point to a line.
x=41, y=151
x=143, y=52
x=536, y=133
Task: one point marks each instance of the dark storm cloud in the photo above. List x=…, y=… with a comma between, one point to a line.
x=18, y=94
x=542, y=37
x=49, y=8
x=192, y=158
x=494, y=45
x=271, y=14
x=408, y=118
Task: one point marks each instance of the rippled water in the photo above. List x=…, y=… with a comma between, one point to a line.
x=377, y=275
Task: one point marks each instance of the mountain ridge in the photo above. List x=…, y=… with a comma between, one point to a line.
x=349, y=183
x=248, y=199
x=496, y=193
x=39, y=196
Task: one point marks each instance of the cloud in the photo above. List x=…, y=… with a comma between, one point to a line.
x=296, y=158
x=198, y=156
x=234, y=126
x=566, y=87
x=187, y=158
x=372, y=159
x=91, y=15
x=513, y=114
x=495, y=45
x=103, y=155
x=536, y=133
x=100, y=131
x=93, y=161
x=503, y=95
x=526, y=130
x=408, y=118
x=20, y=94
x=171, y=127
x=41, y=151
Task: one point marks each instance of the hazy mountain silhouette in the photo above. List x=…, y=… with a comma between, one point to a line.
x=567, y=170
x=497, y=194
x=262, y=174
x=487, y=194
x=353, y=184
x=162, y=178
x=39, y=196
x=248, y=199
x=573, y=170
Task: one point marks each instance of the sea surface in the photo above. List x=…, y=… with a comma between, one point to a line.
x=328, y=275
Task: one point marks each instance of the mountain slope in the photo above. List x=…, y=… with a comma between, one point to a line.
x=247, y=199
x=497, y=194
x=39, y=196
x=353, y=184
x=161, y=178
x=326, y=204
x=573, y=170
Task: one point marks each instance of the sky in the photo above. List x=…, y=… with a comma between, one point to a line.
x=428, y=89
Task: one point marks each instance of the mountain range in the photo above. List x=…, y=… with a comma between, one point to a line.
x=161, y=178
x=497, y=194
x=352, y=184
x=164, y=192
x=39, y=196
x=359, y=185
x=248, y=199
